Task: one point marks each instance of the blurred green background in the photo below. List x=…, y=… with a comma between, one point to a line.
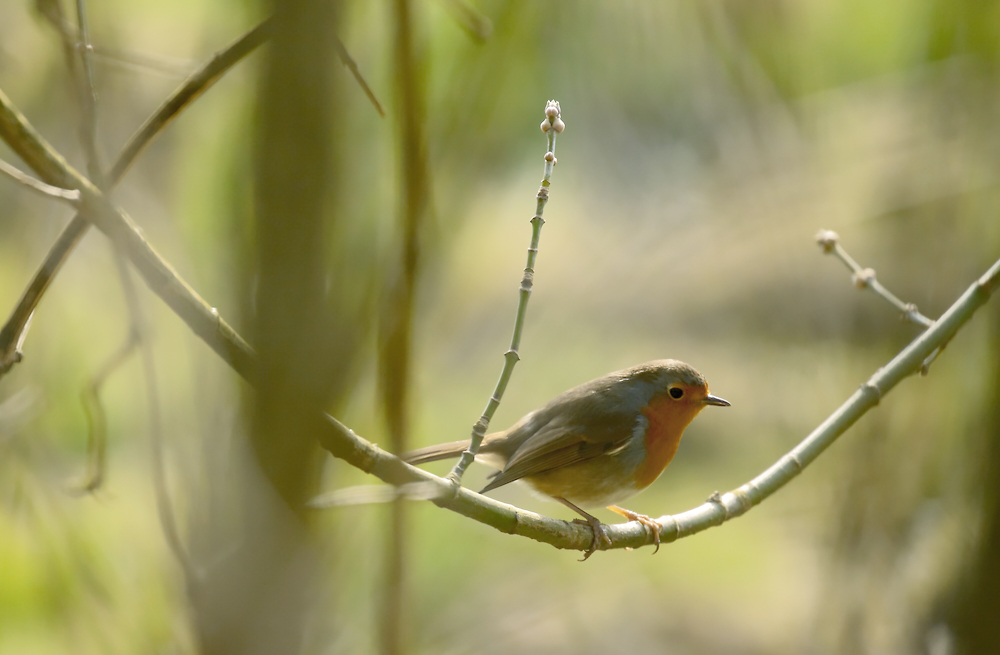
x=706, y=143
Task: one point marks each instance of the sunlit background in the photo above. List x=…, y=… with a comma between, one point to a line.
x=706, y=144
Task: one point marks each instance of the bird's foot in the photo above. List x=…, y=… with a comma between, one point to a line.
x=651, y=524
x=600, y=535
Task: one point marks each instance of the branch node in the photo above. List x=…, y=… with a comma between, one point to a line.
x=715, y=498
x=742, y=496
x=517, y=522
x=873, y=389
x=677, y=528
x=454, y=484
x=863, y=278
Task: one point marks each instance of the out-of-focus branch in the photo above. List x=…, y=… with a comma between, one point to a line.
x=352, y=66
x=203, y=319
x=70, y=195
x=13, y=332
x=81, y=71
x=475, y=23
x=87, y=92
x=96, y=418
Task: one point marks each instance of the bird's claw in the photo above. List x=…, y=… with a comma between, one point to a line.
x=600, y=536
x=650, y=524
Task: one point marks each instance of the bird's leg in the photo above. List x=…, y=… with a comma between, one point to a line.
x=651, y=524
x=600, y=536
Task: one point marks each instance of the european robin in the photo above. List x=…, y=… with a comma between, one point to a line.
x=597, y=444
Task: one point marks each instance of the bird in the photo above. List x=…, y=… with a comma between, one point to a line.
x=597, y=444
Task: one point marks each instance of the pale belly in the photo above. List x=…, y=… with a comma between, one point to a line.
x=608, y=480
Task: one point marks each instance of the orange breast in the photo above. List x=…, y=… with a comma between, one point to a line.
x=667, y=420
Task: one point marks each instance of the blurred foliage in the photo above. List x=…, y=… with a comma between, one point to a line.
x=706, y=143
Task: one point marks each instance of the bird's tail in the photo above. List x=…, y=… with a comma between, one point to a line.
x=435, y=453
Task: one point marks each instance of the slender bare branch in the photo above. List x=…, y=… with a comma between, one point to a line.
x=13, y=332
x=14, y=173
x=864, y=278
x=96, y=418
x=719, y=508
x=474, y=22
x=352, y=66
x=551, y=126
x=203, y=319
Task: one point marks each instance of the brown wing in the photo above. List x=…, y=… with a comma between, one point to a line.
x=585, y=422
x=553, y=447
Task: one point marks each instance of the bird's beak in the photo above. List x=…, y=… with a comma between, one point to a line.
x=715, y=400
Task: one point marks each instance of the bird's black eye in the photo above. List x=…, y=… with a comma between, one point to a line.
x=675, y=392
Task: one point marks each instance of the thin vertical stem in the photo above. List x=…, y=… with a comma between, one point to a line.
x=551, y=126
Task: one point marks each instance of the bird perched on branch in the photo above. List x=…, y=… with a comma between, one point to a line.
x=597, y=444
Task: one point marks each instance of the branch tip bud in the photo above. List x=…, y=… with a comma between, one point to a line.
x=552, y=118
x=827, y=239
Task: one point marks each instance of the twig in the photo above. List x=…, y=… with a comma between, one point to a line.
x=203, y=319
x=349, y=63
x=199, y=82
x=551, y=126
x=87, y=93
x=94, y=411
x=474, y=22
x=343, y=443
x=864, y=278
x=136, y=334
x=203, y=80
x=71, y=195
x=134, y=60
x=81, y=71
x=13, y=332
